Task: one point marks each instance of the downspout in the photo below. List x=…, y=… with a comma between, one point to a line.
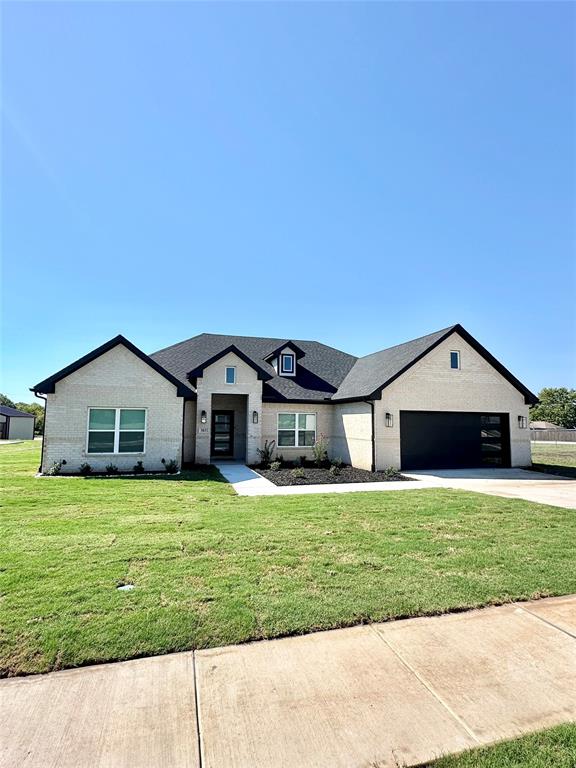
x=371, y=404
x=42, y=397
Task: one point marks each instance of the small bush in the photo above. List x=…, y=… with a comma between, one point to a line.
x=280, y=458
x=337, y=462
x=267, y=452
x=111, y=469
x=138, y=468
x=298, y=472
x=170, y=466
x=275, y=466
x=55, y=468
x=85, y=469
x=320, y=450
x=391, y=473
x=334, y=470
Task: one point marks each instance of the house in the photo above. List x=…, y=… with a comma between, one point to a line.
x=543, y=425
x=441, y=400
x=15, y=424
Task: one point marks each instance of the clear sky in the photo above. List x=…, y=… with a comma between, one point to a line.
x=357, y=173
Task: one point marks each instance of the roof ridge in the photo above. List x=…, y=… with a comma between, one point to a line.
x=411, y=341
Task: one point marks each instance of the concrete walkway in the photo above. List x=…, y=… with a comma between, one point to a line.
x=512, y=483
x=398, y=693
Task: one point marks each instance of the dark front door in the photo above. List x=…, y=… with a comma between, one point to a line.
x=443, y=440
x=222, y=433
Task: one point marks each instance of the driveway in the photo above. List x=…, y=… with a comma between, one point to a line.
x=513, y=483
x=398, y=693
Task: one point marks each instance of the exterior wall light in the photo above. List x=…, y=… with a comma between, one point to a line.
x=522, y=422
x=203, y=417
x=389, y=420
x=254, y=417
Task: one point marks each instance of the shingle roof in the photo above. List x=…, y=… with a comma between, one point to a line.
x=320, y=369
x=372, y=372
x=322, y=373
x=6, y=410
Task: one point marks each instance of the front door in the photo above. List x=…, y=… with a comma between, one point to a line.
x=222, y=433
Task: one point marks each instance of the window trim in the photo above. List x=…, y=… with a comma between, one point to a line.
x=226, y=369
x=283, y=371
x=117, y=431
x=457, y=353
x=279, y=447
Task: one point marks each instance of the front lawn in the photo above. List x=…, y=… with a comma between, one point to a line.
x=555, y=458
x=553, y=748
x=211, y=568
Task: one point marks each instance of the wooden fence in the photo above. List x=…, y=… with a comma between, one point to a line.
x=553, y=435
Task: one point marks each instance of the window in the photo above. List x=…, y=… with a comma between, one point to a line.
x=287, y=365
x=297, y=430
x=116, y=430
x=231, y=375
x=454, y=359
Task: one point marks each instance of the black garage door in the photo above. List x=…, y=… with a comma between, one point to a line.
x=447, y=440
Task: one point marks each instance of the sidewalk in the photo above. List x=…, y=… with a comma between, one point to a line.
x=397, y=693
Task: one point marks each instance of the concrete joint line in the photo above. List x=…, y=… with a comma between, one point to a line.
x=197, y=702
x=523, y=609
x=428, y=687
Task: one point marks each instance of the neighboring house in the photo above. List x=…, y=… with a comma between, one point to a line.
x=543, y=425
x=15, y=424
x=441, y=400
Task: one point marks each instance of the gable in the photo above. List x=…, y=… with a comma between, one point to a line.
x=47, y=386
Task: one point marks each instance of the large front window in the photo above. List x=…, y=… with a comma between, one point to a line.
x=116, y=430
x=296, y=430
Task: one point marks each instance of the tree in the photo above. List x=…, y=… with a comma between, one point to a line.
x=37, y=410
x=6, y=401
x=557, y=405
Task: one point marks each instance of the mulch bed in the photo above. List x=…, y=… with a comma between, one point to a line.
x=321, y=476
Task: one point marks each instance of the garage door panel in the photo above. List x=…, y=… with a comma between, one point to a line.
x=449, y=440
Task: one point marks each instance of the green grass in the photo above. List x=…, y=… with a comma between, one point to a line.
x=212, y=568
x=555, y=459
x=553, y=748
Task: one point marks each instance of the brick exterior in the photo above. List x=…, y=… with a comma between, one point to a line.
x=213, y=382
x=270, y=413
x=431, y=385
x=117, y=379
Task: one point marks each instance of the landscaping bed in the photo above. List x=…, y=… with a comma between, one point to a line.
x=312, y=475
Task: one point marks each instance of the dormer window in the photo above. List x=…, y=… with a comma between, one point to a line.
x=287, y=364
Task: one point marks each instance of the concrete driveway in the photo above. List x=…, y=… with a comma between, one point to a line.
x=514, y=483
x=398, y=693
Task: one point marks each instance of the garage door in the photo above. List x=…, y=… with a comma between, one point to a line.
x=448, y=440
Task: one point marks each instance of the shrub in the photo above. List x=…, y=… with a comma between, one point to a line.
x=267, y=452
x=170, y=466
x=138, y=468
x=391, y=473
x=298, y=472
x=334, y=470
x=337, y=462
x=280, y=458
x=111, y=469
x=320, y=450
x=85, y=469
x=55, y=468
x=275, y=466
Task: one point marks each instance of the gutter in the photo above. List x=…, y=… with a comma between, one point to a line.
x=42, y=397
x=371, y=404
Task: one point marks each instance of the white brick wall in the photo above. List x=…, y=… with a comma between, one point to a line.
x=431, y=385
x=270, y=413
x=352, y=434
x=213, y=382
x=117, y=379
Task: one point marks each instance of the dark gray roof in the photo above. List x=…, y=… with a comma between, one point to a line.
x=6, y=410
x=372, y=372
x=323, y=373
x=320, y=369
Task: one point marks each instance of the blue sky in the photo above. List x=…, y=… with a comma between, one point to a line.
x=358, y=173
